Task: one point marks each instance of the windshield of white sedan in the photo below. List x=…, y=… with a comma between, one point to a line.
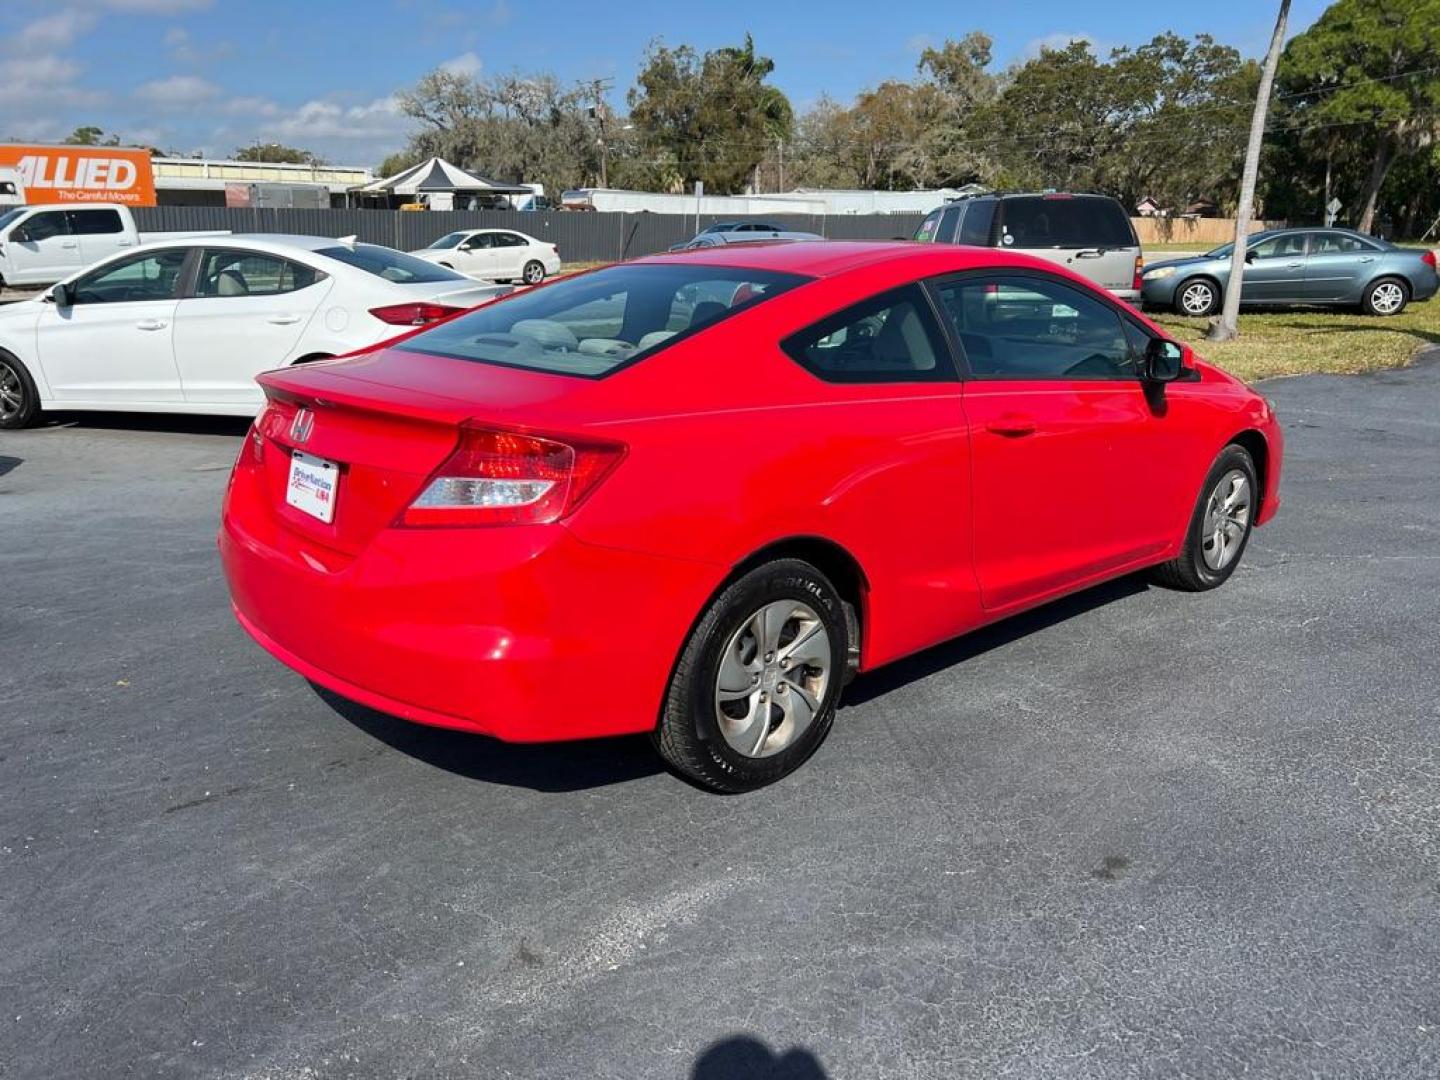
x=590, y=324
x=449, y=240
x=391, y=265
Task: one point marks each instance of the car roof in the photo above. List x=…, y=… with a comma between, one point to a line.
x=256, y=240
x=828, y=258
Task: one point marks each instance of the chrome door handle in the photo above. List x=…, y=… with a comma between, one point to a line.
x=1294, y=265
x=151, y=324
x=283, y=320
x=124, y=243
x=1090, y=254
x=1367, y=258
x=69, y=245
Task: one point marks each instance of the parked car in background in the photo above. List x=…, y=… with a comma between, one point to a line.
x=494, y=255
x=741, y=227
x=1328, y=267
x=720, y=235
x=185, y=326
x=43, y=244
x=1088, y=234
x=692, y=494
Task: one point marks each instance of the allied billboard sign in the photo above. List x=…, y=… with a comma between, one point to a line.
x=60, y=174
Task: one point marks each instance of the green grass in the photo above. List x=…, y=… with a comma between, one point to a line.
x=1302, y=341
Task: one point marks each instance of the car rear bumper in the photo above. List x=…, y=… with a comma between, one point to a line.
x=525, y=633
x=1130, y=296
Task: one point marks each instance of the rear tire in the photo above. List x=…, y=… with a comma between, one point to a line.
x=19, y=400
x=1219, y=528
x=753, y=694
x=1387, y=296
x=533, y=273
x=1197, y=297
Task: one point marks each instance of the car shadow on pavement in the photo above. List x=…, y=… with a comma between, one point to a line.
x=168, y=423
x=938, y=658
x=547, y=767
x=9, y=464
x=744, y=1057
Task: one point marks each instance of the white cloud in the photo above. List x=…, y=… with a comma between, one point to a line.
x=52, y=31
x=156, y=7
x=177, y=90
x=466, y=64
x=42, y=79
x=1056, y=42
x=379, y=119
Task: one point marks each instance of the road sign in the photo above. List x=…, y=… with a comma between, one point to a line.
x=1332, y=210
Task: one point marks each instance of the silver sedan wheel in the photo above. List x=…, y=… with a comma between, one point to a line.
x=1227, y=520
x=773, y=678
x=12, y=392
x=1197, y=298
x=1387, y=298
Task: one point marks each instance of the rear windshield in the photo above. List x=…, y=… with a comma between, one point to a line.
x=391, y=265
x=1064, y=221
x=591, y=324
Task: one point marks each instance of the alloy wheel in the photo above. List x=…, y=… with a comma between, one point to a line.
x=1197, y=298
x=534, y=273
x=773, y=677
x=1387, y=298
x=1227, y=520
x=12, y=392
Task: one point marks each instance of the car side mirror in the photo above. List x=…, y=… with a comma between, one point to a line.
x=1249, y=256
x=1164, y=361
x=19, y=235
x=62, y=295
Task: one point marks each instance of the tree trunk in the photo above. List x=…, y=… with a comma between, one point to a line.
x=1384, y=156
x=1228, y=325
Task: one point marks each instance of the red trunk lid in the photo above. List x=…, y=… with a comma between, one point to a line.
x=388, y=421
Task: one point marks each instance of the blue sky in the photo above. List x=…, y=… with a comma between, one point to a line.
x=211, y=75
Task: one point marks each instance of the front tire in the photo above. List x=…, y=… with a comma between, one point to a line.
x=1385, y=297
x=19, y=400
x=534, y=272
x=1219, y=528
x=754, y=692
x=1197, y=297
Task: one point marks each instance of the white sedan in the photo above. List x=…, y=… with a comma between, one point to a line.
x=495, y=255
x=184, y=326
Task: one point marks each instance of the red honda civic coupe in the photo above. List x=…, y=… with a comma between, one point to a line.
x=694, y=494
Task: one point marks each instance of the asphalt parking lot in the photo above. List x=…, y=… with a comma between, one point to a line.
x=1136, y=834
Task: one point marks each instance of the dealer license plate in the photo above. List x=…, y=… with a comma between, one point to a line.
x=313, y=485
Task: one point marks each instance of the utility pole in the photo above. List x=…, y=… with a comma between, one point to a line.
x=780, y=153
x=1228, y=325
x=598, y=89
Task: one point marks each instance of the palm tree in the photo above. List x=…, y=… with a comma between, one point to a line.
x=1228, y=325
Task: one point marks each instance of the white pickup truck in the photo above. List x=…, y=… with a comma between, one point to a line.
x=40, y=245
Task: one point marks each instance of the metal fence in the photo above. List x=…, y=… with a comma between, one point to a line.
x=581, y=236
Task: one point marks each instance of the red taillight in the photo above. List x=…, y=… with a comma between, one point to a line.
x=1428, y=259
x=510, y=478
x=1138, y=281
x=417, y=314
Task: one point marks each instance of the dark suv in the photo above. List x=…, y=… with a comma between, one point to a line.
x=1089, y=234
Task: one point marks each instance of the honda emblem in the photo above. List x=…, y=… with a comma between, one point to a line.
x=302, y=425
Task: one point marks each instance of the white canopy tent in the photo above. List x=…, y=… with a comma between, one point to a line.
x=435, y=177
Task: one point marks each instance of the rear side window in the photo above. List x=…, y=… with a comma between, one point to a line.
x=975, y=226
x=888, y=338
x=928, y=228
x=1064, y=221
x=95, y=222
x=592, y=324
x=391, y=265
x=251, y=273
x=948, y=222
